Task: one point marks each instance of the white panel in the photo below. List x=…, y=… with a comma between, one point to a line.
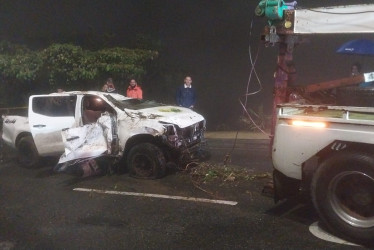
x=293, y=145
x=336, y=19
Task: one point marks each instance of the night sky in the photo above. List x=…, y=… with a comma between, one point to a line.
x=208, y=40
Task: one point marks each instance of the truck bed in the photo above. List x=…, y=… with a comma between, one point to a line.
x=328, y=113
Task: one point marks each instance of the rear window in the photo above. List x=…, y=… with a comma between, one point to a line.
x=54, y=106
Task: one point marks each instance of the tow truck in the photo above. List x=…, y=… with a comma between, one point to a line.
x=321, y=150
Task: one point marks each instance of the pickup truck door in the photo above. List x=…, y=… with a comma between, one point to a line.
x=48, y=116
x=91, y=140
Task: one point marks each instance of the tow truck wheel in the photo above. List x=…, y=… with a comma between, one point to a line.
x=146, y=161
x=27, y=153
x=343, y=194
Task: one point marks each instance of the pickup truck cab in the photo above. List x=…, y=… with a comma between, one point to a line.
x=146, y=134
x=328, y=152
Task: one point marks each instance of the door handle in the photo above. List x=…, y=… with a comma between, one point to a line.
x=39, y=126
x=72, y=138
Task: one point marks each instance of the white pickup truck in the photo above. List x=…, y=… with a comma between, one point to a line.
x=146, y=134
x=329, y=152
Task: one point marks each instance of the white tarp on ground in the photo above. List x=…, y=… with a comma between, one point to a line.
x=88, y=141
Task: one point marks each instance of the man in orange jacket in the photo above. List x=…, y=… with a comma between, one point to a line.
x=134, y=91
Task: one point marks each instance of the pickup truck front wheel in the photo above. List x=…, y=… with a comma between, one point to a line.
x=146, y=161
x=27, y=153
x=343, y=194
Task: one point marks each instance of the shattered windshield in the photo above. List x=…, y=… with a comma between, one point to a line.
x=134, y=104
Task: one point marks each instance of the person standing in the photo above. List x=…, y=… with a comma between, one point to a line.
x=186, y=94
x=355, y=69
x=134, y=90
x=109, y=86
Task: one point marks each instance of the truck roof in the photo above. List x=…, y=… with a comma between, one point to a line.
x=90, y=92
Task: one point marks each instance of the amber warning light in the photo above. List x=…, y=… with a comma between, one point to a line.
x=309, y=124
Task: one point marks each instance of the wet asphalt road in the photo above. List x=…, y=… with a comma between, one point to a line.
x=40, y=210
x=249, y=154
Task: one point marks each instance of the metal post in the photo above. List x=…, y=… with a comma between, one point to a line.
x=284, y=76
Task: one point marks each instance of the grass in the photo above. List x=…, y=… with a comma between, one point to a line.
x=207, y=172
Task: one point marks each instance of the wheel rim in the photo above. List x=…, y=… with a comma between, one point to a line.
x=142, y=165
x=352, y=198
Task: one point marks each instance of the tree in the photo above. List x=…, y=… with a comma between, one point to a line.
x=18, y=62
x=67, y=66
x=122, y=61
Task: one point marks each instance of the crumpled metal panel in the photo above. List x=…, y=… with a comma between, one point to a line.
x=88, y=141
x=183, y=117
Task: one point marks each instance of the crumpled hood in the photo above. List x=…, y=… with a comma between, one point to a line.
x=183, y=117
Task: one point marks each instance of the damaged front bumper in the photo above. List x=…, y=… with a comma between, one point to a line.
x=188, y=142
x=184, y=138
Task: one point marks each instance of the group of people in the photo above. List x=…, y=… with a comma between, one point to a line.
x=185, y=95
x=133, y=90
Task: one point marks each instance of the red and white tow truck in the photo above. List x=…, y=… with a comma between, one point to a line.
x=323, y=150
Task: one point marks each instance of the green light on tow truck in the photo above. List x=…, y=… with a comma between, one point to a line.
x=273, y=9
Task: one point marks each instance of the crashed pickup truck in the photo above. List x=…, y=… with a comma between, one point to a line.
x=328, y=151
x=144, y=135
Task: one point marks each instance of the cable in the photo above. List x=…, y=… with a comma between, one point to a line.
x=251, y=119
x=253, y=70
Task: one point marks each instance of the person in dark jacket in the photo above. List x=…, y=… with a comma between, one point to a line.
x=186, y=94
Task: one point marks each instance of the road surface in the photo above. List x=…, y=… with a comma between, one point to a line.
x=43, y=210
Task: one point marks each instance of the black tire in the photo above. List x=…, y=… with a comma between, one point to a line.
x=28, y=155
x=146, y=161
x=343, y=194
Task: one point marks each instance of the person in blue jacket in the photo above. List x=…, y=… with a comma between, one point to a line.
x=186, y=94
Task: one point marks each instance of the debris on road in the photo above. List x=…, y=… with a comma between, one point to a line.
x=217, y=180
x=206, y=171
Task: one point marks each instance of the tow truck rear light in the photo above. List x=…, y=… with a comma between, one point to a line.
x=309, y=124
